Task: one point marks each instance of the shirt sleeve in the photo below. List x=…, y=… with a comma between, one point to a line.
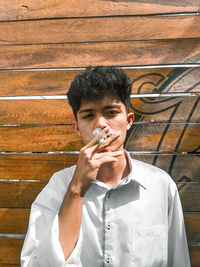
x=178, y=255
x=42, y=247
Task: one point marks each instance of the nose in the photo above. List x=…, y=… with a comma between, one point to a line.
x=100, y=122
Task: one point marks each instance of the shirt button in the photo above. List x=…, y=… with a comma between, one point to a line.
x=109, y=194
x=107, y=259
x=108, y=226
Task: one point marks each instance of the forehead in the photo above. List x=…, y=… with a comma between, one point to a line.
x=101, y=103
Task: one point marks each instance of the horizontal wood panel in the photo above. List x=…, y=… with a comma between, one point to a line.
x=35, y=112
x=8, y=265
x=146, y=137
x=59, y=111
x=57, y=82
x=10, y=252
x=114, y=53
x=33, y=166
x=19, y=194
x=194, y=255
x=192, y=224
x=39, y=138
x=164, y=137
x=22, y=194
x=104, y=29
x=21, y=216
x=42, y=9
x=182, y=168
x=36, y=166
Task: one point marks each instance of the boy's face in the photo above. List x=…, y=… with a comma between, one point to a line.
x=109, y=114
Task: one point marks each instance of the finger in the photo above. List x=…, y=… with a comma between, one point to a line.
x=108, y=141
x=92, y=142
x=107, y=159
x=117, y=153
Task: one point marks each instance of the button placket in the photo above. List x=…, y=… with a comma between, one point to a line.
x=107, y=234
x=108, y=226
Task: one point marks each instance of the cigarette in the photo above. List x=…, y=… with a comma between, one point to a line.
x=101, y=141
x=98, y=131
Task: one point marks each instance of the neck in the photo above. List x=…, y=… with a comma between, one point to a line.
x=112, y=173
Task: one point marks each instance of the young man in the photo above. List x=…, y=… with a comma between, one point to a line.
x=109, y=209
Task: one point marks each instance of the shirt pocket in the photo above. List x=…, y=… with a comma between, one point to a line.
x=149, y=246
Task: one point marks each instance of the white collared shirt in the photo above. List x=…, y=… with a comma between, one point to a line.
x=137, y=223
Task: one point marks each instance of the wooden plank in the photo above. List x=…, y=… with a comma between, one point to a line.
x=189, y=195
x=159, y=137
x=164, y=137
x=57, y=82
x=10, y=251
x=42, y=9
x=8, y=265
x=39, y=138
x=39, y=166
x=59, y=111
x=18, y=216
x=182, y=168
x=192, y=224
x=194, y=255
x=104, y=29
x=93, y=54
x=52, y=82
x=34, y=166
x=17, y=194
x=35, y=112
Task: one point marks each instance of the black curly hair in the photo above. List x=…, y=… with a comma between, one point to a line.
x=95, y=83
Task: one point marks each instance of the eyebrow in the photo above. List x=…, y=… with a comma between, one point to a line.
x=86, y=110
x=106, y=107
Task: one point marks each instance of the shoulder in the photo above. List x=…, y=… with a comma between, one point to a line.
x=56, y=187
x=150, y=174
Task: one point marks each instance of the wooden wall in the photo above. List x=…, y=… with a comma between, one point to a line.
x=43, y=44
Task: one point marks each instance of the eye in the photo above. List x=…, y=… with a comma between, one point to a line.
x=87, y=116
x=112, y=112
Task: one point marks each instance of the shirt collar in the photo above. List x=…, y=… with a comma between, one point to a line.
x=135, y=173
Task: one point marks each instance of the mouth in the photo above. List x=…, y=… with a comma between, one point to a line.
x=100, y=133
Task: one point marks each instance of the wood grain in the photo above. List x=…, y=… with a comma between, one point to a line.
x=39, y=166
x=192, y=224
x=57, y=82
x=144, y=137
x=182, y=168
x=17, y=194
x=164, y=137
x=39, y=138
x=18, y=216
x=34, y=166
x=59, y=8
x=104, y=29
x=10, y=251
x=59, y=111
x=8, y=265
x=93, y=54
x=194, y=255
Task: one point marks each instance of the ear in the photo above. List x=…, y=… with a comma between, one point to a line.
x=130, y=120
x=75, y=127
